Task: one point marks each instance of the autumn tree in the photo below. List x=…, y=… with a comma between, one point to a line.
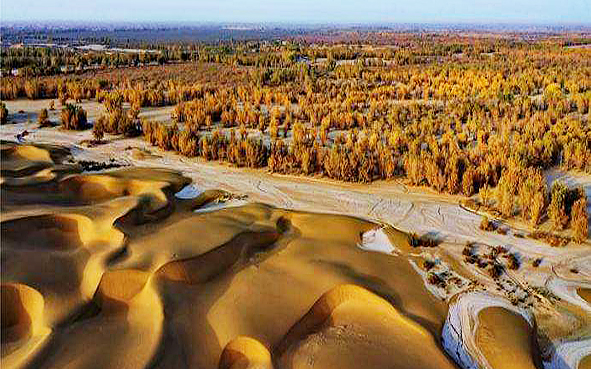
x=485, y=194
x=73, y=117
x=532, y=196
x=273, y=128
x=98, y=129
x=580, y=222
x=3, y=113
x=504, y=198
x=558, y=202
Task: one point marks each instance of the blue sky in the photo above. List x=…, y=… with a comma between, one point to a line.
x=302, y=11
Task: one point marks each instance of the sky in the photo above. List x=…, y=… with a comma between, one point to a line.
x=300, y=11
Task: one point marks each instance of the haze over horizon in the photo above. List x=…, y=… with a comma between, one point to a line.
x=305, y=11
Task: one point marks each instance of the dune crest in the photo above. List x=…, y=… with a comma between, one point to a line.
x=23, y=326
x=334, y=334
x=245, y=353
x=202, y=268
x=22, y=311
x=487, y=331
x=118, y=289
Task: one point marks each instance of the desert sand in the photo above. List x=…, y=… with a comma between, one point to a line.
x=171, y=262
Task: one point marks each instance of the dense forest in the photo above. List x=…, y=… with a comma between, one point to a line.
x=462, y=115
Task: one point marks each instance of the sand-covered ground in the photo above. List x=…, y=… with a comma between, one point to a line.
x=174, y=262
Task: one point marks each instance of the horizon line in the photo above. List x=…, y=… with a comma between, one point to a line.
x=303, y=23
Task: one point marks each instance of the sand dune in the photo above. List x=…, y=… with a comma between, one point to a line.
x=23, y=326
x=485, y=331
x=350, y=327
x=245, y=353
x=585, y=294
x=128, y=268
x=22, y=312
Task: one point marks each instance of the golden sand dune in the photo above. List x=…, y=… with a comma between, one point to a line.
x=485, y=331
x=155, y=184
x=506, y=339
x=118, y=288
x=28, y=164
x=350, y=327
x=22, y=311
x=120, y=273
x=55, y=231
x=16, y=160
x=207, y=266
x=585, y=294
x=245, y=353
x=23, y=327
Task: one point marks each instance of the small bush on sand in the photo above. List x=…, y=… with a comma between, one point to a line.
x=43, y=119
x=550, y=238
x=487, y=225
x=98, y=130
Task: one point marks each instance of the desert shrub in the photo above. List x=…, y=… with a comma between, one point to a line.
x=469, y=182
x=164, y=136
x=468, y=250
x=496, y=270
x=149, y=130
x=63, y=98
x=113, y=101
x=487, y=225
x=488, y=126
x=273, y=128
x=42, y=118
x=513, y=262
x=73, y=117
x=428, y=265
x=550, y=238
x=436, y=280
x=256, y=153
x=426, y=240
x=505, y=197
x=98, y=129
x=537, y=206
x=414, y=169
x=116, y=122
